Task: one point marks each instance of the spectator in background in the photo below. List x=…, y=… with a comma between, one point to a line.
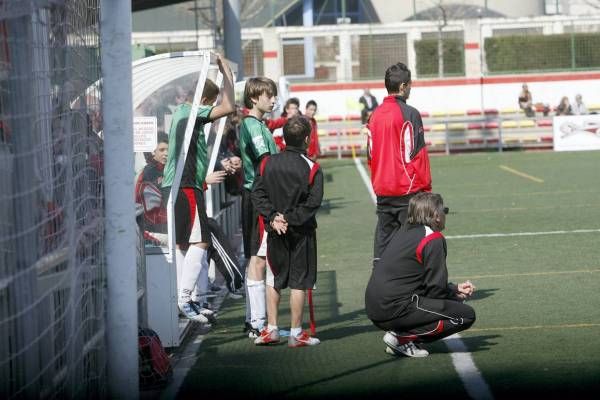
x=525, y=102
x=564, y=107
x=369, y=103
x=314, y=150
x=579, y=108
x=291, y=109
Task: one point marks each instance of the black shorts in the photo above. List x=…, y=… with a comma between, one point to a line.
x=251, y=229
x=191, y=221
x=292, y=260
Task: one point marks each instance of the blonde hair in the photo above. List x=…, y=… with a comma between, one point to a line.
x=257, y=86
x=423, y=208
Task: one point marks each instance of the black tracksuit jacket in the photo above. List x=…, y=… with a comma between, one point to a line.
x=292, y=184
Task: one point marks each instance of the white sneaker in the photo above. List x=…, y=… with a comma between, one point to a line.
x=409, y=349
x=190, y=311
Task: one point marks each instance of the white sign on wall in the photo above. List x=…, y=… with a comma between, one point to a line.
x=144, y=134
x=577, y=132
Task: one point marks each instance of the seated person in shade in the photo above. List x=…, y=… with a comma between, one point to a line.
x=525, y=102
x=149, y=195
x=368, y=103
x=408, y=294
x=564, y=107
x=578, y=107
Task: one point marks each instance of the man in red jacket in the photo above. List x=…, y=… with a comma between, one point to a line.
x=397, y=155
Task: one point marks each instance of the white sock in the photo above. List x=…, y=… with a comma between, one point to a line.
x=191, y=272
x=247, y=298
x=295, y=331
x=256, y=294
x=201, y=288
x=180, y=260
x=271, y=328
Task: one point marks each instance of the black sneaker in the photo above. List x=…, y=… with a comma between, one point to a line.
x=252, y=332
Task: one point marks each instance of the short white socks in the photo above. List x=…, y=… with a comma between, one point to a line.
x=295, y=331
x=256, y=295
x=195, y=261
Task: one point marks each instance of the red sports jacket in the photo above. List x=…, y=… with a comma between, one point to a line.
x=396, y=147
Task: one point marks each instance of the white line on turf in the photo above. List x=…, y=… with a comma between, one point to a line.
x=495, y=235
x=463, y=363
x=365, y=178
x=470, y=375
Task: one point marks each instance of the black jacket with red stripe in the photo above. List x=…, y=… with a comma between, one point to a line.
x=291, y=184
x=414, y=262
x=397, y=153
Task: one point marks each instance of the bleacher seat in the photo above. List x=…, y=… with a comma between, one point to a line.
x=321, y=118
x=473, y=112
x=511, y=110
x=457, y=127
x=544, y=123
x=475, y=126
x=509, y=124
x=353, y=117
x=527, y=123
x=594, y=107
x=321, y=132
x=490, y=111
x=438, y=114
x=335, y=118
x=424, y=114
x=491, y=125
x=456, y=113
x=438, y=127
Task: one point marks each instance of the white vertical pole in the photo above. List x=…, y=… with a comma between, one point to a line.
x=120, y=228
x=309, y=57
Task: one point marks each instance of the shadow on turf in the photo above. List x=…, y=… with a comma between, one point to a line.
x=483, y=293
x=333, y=203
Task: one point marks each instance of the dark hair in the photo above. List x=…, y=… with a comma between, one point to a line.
x=311, y=103
x=423, y=207
x=257, y=86
x=210, y=91
x=162, y=137
x=396, y=75
x=291, y=100
x=296, y=129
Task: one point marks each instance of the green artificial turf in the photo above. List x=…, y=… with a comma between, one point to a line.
x=538, y=302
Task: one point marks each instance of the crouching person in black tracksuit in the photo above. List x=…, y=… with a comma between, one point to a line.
x=408, y=294
x=287, y=192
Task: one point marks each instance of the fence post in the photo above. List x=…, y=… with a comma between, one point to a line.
x=447, y=139
x=121, y=272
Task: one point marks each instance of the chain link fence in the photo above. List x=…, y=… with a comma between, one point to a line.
x=52, y=270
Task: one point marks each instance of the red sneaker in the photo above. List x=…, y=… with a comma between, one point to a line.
x=267, y=337
x=302, y=340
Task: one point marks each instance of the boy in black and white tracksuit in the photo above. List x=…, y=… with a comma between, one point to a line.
x=408, y=293
x=287, y=192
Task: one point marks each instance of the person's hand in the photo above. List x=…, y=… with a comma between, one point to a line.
x=236, y=163
x=223, y=66
x=231, y=165
x=215, y=177
x=279, y=224
x=465, y=290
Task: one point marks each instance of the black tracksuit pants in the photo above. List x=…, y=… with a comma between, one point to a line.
x=427, y=320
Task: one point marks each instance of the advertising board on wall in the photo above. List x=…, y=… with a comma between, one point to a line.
x=577, y=132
